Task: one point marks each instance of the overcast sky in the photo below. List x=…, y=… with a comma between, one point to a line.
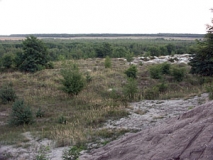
x=104, y=16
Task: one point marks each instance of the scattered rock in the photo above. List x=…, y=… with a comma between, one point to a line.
x=178, y=58
x=155, y=112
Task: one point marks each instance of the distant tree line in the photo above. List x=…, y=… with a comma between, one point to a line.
x=112, y=35
x=59, y=49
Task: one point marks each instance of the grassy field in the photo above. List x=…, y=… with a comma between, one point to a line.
x=71, y=120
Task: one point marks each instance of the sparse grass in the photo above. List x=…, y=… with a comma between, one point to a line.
x=93, y=106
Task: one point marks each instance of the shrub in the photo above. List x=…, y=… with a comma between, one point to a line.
x=7, y=60
x=165, y=68
x=131, y=72
x=73, y=81
x=107, y=62
x=34, y=57
x=62, y=120
x=49, y=65
x=178, y=73
x=151, y=93
x=202, y=61
x=162, y=87
x=155, y=72
x=88, y=77
x=21, y=114
x=130, y=88
x=129, y=56
x=7, y=93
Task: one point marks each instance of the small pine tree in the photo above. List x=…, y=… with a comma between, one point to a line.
x=7, y=93
x=34, y=56
x=131, y=72
x=8, y=60
x=178, y=73
x=129, y=56
x=108, y=63
x=130, y=88
x=73, y=81
x=21, y=114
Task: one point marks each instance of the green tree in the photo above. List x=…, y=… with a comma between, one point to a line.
x=21, y=114
x=7, y=60
x=129, y=56
x=130, y=88
x=170, y=48
x=104, y=50
x=34, y=56
x=202, y=61
x=131, y=72
x=7, y=93
x=73, y=81
x=107, y=62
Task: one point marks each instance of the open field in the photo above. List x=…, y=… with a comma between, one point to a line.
x=78, y=120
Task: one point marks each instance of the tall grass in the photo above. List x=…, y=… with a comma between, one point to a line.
x=101, y=99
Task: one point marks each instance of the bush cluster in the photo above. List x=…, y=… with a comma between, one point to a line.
x=157, y=71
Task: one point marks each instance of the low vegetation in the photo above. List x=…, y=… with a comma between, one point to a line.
x=71, y=102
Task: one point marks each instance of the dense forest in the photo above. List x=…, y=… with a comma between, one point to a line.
x=60, y=49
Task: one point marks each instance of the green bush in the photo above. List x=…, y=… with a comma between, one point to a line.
x=130, y=88
x=151, y=93
x=162, y=87
x=34, y=56
x=88, y=77
x=8, y=60
x=21, y=114
x=202, y=61
x=49, y=65
x=62, y=120
x=178, y=73
x=107, y=62
x=155, y=72
x=129, y=56
x=7, y=93
x=73, y=81
x=165, y=68
x=131, y=72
